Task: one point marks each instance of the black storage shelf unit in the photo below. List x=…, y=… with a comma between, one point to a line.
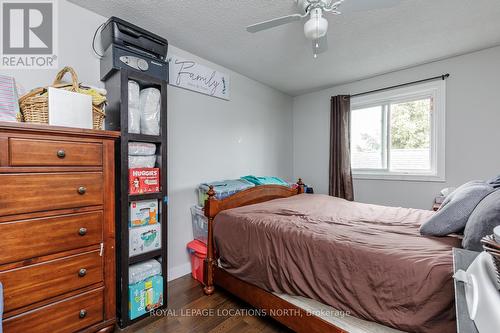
x=117, y=119
x=145, y=256
x=145, y=138
x=147, y=196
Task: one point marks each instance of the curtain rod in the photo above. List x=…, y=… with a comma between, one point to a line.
x=440, y=77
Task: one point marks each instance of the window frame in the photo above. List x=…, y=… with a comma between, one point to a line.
x=436, y=90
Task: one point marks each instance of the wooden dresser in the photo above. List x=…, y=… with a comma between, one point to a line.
x=57, y=229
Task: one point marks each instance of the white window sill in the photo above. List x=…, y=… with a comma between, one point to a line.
x=399, y=177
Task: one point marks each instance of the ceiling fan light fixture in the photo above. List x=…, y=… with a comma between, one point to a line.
x=317, y=26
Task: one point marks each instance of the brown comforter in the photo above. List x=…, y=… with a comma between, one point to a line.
x=366, y=259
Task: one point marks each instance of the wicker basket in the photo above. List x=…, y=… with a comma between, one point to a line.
x=35, y=104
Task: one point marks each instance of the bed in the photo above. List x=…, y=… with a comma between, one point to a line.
x=280, y=249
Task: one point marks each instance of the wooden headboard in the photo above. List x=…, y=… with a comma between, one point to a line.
x=214, y=206
x=253, y=195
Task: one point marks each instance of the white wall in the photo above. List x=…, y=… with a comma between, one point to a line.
x=213, y=139
x=209, y=138
x=76, y=29
x=472, y=134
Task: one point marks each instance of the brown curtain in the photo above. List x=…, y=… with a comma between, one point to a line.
x=340, y=150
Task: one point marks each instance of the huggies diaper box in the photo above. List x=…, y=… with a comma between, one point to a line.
x=143, y=212
x=144, y=239
x=144, y=180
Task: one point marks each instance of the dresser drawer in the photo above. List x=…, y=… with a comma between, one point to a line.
x=34, y=283
x=24, y=193
x=70, y=315
x=31, y=152
x=42, y=236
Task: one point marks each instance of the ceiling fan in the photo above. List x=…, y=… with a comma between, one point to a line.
x=316, y=27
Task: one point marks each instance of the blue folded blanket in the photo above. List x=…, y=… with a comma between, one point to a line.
x=265, y=180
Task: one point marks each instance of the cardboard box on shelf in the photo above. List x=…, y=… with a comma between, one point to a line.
x=144, y=180
x=143, y=212
x=144, y=239
x=145, y=296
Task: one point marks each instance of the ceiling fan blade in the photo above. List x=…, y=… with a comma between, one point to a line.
x=273, y=23
x=351, y=6
x=320, y=45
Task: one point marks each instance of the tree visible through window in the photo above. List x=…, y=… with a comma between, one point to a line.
x=410, y=124
x=411, y=135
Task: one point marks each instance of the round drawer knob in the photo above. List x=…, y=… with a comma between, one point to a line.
x=82, y=272
x=82, y=231
x=83, y=314
x=82, y=190
x=61, y=153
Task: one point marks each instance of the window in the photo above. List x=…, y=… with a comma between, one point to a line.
x=399, y=134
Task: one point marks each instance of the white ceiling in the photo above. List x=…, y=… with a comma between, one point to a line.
x=361, y=44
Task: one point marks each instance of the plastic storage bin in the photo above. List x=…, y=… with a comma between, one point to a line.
x=198, y=252
x=223, y=189
x=200, y=224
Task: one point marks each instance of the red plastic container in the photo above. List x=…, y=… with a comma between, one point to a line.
x=198, y=252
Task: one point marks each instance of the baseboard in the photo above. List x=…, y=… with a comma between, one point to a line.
x=178, y=271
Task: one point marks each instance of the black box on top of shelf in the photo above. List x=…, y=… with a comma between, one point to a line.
x=132, y=47
x=120, y=32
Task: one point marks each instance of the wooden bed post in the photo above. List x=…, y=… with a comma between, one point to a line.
x=301, y=186
x=210, y=204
